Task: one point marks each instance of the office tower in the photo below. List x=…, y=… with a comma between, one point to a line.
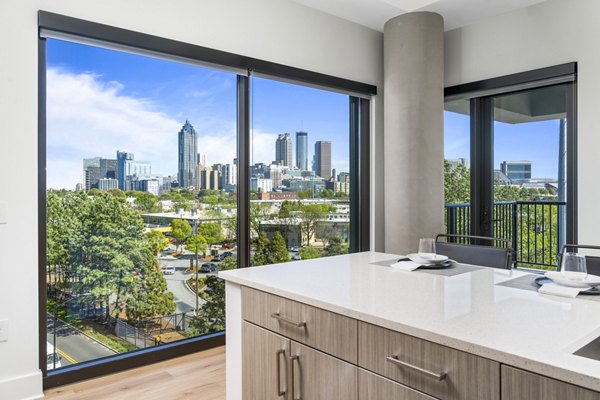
x=187, y=156
x=202, y=160
x=98, y=168
x=322, y=159
x=275, y=173
x=122, y=158
x=283, y=150
x=517, y=171
x=105, y=184
x=261, y=184
x=302, y=150
x=228, y=175
x=208, y=178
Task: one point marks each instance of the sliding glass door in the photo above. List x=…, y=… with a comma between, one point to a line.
x=519, y=182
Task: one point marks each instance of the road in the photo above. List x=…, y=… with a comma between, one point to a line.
x=185, y=299
x=73, y=346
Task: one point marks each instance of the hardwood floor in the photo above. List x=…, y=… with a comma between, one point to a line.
x=197, y=376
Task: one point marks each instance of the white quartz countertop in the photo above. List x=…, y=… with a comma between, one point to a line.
x=468, y=312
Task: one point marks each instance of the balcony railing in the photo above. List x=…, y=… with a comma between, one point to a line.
x=533, y=227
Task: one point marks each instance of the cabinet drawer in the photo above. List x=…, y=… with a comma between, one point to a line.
x=375, y=387
x=326, y=331
x=521, y=385
x=437, y=370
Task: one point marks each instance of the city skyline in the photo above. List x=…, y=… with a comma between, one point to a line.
x=102, y=100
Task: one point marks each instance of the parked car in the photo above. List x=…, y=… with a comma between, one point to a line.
x=296, y=257
x=208, y=267
x=168, y=270
x=294, y=248
x=218, y=257
x=228, y=254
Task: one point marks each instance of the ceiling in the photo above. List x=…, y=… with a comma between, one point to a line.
x=456, y=13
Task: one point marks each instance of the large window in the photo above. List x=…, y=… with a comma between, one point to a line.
x=141, y=200
x=520, y=181
x=162, y=163
x=300, y=172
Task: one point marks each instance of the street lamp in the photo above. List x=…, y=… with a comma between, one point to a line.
x=196, y=266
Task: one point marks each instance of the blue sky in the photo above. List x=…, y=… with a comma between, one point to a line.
x=533, y=141
x=100, y=101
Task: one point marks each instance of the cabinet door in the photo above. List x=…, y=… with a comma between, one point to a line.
x=375, y=387
x=317, y=376
x=265, y=363
x=522, y=385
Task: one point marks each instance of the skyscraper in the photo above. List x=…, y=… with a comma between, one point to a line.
x=322, y=159
x=187, y=156
x=283, y=150
x=302, y=150
x=98, y=168
x=122, y=158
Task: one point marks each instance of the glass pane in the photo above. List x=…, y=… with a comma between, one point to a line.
x=300, y=181
x=141, y=206
x=457, y=181
x=530, y=174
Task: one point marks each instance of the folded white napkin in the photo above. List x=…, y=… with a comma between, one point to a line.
x=405, y=265
x=559, y=290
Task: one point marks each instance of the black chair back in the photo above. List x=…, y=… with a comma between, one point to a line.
x=592, y=262
x=475, y=254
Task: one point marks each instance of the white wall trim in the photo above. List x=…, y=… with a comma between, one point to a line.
x=23, y=387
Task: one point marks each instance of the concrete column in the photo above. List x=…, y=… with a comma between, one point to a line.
x=413, y=129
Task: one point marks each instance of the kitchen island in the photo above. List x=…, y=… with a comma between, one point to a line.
x=432, y=336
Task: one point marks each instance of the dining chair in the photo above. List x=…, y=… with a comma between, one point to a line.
x=592, y=262
x=477, y=254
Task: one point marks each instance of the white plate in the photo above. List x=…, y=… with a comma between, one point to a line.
x=436, y=260
x=557, y=277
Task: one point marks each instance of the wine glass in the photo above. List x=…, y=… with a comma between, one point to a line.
x=427, y=249
x=573, y=266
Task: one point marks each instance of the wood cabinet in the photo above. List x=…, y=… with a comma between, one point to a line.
x=522, y=385
x=375, y=387
x=305, y=324
x=276, y=368
x=293, y=351
x=437, y=370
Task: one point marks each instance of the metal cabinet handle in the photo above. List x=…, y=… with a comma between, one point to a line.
x=396, y=361
x=294, y=396
x=278, y=366
x=288, y=321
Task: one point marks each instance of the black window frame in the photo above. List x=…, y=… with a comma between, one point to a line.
x=481, y=94
x=359, y=93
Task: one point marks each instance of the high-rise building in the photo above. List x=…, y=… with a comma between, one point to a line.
x=105, y=184
x=98, y=168
x=228, y=175
x=517, y=171
x=275, y=172
x=302, y=150
x=122, y=158
x=261, y=184
x=187, y=156
x=208, y=178
x=128, y=170
x=283, y=150
x=322, y=159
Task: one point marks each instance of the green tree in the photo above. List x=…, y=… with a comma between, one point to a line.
x=310, y=216
x=307, y=253
x=145, y=201
x=212, y=232
x=196, y=242
x=277, y=250
x=335, y=247
x=327, y=194
x=117, y=193
x=211, y=316
x=457, y=184
x=258, y=212
x=95, y=192
x=158, y=241
x=180, y=230
x=261, y=255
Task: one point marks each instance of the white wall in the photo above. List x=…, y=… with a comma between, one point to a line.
x=274, y=30
x=550, y=33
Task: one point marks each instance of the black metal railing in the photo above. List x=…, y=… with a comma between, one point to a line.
x=533, y=227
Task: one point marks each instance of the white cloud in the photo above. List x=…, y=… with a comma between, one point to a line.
x=87, y=117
